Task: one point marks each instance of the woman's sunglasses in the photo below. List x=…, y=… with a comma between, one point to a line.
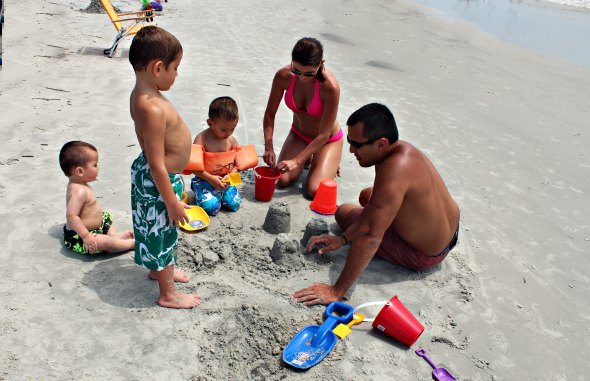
x=307, y=73
x=358, y=145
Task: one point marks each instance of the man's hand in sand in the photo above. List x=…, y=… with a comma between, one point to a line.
x=329, y=242
x=317, y=293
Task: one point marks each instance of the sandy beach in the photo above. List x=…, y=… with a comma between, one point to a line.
x=504, y=125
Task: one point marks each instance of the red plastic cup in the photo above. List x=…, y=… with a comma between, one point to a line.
x=265, y=183
x=324, y=201
x=395, y=320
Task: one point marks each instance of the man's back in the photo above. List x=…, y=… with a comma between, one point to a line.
x=428, y=216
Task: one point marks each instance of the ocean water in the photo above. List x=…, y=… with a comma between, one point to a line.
x=548, y=27
x=574, y=3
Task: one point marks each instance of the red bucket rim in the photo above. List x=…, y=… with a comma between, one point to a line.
x=268, y=172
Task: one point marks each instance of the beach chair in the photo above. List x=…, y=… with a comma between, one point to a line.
x=126, y=24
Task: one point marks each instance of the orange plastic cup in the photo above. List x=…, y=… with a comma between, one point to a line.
x=324, y=201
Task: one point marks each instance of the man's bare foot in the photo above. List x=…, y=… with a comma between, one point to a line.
x=180, y=301
x=179, y=276
x=127, y=235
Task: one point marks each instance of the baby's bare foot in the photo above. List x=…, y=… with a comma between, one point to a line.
x=180, y=301
x=179, y=276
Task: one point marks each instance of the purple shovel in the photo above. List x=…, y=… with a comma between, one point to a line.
x=438, y=374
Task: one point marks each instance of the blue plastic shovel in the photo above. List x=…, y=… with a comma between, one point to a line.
x=314, y=342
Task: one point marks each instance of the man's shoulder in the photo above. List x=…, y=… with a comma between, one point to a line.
x=403, y=159
x=401, y=152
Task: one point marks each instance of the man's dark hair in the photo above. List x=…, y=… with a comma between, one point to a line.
x=378, y=122
x=153, y=43
x=223, y=108
x=309, y=52
x=73, y=154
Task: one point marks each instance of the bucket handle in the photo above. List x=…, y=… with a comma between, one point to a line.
x=368, y=304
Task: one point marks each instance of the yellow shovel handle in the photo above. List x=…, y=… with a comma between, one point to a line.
x=356, y=319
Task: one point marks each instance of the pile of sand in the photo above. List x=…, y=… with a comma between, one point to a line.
x=96, y=7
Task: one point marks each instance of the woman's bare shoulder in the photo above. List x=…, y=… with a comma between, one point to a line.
x=283, y=75
x=330, y=83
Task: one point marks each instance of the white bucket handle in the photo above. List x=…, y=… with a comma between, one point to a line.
x=368, y=304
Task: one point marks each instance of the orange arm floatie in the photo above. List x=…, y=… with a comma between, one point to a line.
x=195, y=163
x=246, y=157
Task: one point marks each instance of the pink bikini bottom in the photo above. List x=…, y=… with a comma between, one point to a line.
x=308, y=140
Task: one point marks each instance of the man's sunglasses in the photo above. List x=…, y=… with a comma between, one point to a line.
x=358, y=145
x=307, y=73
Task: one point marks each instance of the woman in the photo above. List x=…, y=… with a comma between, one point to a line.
x=313, y=93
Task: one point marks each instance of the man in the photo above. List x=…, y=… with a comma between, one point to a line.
x=408, y=217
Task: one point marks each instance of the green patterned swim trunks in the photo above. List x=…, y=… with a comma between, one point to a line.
x=75, y=243
x=154, y=239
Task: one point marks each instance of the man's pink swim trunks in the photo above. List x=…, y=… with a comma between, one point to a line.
x=395, y=250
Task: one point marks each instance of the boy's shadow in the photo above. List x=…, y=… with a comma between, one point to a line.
x=115, y=278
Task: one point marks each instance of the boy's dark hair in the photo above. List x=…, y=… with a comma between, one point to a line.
x=73, y=154
x=153, y=43
x=309, y=52
x=223, y=108
x=378, y=122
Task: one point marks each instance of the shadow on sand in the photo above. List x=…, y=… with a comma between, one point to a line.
x=115, y=278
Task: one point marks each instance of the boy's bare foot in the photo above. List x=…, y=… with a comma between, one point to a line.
x=179, y=276
x=180, y=301
x=127, y=235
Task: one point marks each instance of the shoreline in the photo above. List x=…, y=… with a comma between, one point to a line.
x=547, y=27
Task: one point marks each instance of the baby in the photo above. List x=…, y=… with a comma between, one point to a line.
x=88, y=230
x=210, y=185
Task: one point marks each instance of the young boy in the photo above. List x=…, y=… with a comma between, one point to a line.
x=165, y=141
x=211, y=189
x=88, y=230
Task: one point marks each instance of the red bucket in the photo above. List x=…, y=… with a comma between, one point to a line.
x=324, y=201
x=395, y=320
x=265, y=183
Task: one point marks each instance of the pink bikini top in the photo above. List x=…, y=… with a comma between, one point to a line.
x=316, y=106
